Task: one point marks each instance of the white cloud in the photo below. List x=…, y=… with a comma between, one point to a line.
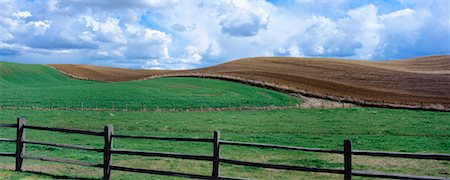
x=241, y=18
x=110, y=30
x=147, y=44
x=38, y=27
x=90, y=22
x=364, y=23
x=192, y=55
x=397, y=14
x=119, y=3
x=188, y=34
x=22, y=14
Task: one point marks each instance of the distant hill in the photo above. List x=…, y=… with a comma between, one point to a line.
x=422, y=82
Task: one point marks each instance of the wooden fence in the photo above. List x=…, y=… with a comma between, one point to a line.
x=108, y=151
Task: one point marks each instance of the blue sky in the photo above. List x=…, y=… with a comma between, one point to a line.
x=177, y=34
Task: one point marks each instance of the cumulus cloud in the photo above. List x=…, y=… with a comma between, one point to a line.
x=240, y=18
x=323, y=37
x=147, y=44
x=189, y=34
x=22, y=14
x=364, y=23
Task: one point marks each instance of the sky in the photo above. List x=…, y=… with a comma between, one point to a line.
x=175, y=34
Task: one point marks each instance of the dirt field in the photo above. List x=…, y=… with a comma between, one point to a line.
x=106, y=74
x=422, y=82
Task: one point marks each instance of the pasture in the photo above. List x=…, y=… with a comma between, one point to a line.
x=369, y=128
x=40, y=86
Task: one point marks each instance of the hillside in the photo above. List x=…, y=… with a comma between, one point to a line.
x=422, y=82
x=105, y=74
x=40, y=86
x=13, y=75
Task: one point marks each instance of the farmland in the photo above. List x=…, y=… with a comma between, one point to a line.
x=43, y=87
x=393, y=83
x=55, y=100
x=369, y=128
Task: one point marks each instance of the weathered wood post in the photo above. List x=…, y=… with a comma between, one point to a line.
x=347, y=159
x=143, y=108
x=112, y=105
x=216, y=155
x=107, y=155
x=82, y=105
x=20, y=146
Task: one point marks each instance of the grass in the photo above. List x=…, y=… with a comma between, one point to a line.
x=43, y=87
x=369, y=129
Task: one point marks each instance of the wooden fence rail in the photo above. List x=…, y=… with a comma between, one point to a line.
x=108, y=152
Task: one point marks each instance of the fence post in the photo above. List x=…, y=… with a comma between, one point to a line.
x=216, y=155
x=107, y=156
x=347, y=159
x=20, y=147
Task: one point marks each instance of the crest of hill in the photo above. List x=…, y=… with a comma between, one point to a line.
x=105, y=74
x=422, y=80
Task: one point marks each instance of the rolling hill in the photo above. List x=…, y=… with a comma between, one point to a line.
x=422, y=82
x=40, y=86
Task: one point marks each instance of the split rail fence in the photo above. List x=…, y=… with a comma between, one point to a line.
x=108, y=151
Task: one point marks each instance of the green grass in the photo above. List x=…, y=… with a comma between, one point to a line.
x=43, y=87
x=369, y=129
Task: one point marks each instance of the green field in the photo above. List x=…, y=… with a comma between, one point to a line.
x=39, y=86
x=369, y=128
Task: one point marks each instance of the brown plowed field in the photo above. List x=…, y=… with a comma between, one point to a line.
x=105, y=74
x=422, y=82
